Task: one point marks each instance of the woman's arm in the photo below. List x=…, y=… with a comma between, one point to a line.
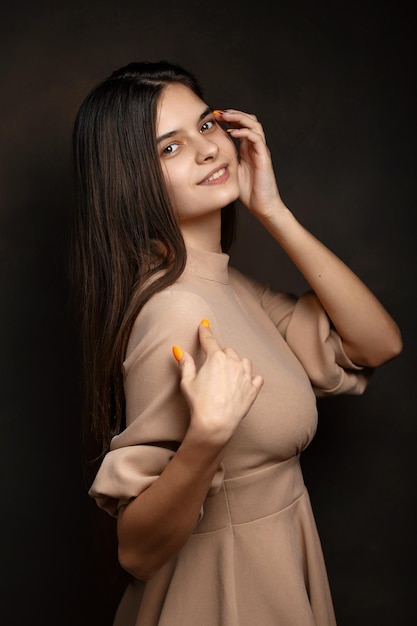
x=154, y=526
x=369, y=334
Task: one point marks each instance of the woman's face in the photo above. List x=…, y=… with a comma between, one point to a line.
x=198, y=158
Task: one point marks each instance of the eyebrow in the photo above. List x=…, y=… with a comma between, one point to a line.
x=172, y=133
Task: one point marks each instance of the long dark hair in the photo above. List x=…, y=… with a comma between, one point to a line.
x=126, y=241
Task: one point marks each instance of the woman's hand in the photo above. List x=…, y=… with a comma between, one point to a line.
x=221, y=392
x=258, y=187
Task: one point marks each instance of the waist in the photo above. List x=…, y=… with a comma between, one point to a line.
x=253, y=496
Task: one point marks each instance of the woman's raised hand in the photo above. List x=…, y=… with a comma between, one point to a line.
x=258, y=187
x=221, y=392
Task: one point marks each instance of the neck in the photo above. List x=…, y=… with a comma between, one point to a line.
x=203, y=232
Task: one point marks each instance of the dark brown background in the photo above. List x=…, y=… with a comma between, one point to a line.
x=333, y=83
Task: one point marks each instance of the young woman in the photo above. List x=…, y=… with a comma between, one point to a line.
x=199, y=454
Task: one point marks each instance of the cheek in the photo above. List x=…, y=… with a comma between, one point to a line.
x=175, y=184
x=171, y=179
x=175, y=174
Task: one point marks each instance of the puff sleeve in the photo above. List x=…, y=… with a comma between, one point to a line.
x=307, y=329
x=157, y=415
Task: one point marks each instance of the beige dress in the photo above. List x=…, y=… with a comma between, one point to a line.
x=255, y=555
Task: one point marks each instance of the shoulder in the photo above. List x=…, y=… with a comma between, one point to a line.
x=170, y=316
x=261, y=291
x=238, y=279
x=173, y=304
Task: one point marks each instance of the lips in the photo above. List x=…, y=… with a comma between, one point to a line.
x=219, y=175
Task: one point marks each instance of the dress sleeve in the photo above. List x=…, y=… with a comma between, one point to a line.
x=319, y=348
x=157, y=414
x=307, y=329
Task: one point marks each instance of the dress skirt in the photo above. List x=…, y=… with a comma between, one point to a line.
x=255, y=558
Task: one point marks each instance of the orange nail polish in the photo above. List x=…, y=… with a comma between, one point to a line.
x=217, y=111
x=177, y=352
x=205, y=323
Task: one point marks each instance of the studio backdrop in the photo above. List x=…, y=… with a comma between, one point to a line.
x=333, y=84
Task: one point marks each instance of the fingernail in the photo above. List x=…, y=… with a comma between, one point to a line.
x=177, y=352
x=217, y=111
x=205, y=323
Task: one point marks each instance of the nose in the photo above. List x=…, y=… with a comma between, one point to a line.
x=206, y=149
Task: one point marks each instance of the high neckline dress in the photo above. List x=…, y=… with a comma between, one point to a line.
x=255, y=555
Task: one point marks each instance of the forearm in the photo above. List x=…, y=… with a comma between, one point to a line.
x=369, y=334
x=153, y=527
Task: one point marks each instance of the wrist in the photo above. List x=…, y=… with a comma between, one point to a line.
x=204, y=443
x=276, y=216
x=199, y=459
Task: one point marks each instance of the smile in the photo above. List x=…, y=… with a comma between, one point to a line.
x=218, y=176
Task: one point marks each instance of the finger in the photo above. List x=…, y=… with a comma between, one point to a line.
x=188, y=368
x=247, y=365
x=186, y=363
x=257, y=382
x=178, y=353
x=238, y=119
x=231, y=353
x=235, y=118
x=251, y=135
x=207, y=340
x=235, y=113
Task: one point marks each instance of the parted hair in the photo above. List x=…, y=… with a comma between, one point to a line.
x=126, y=243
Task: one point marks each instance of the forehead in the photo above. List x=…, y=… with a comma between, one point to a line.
x=177, y=106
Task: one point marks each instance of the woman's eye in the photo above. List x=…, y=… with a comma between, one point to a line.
x=170, y=149
x=207, y=125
